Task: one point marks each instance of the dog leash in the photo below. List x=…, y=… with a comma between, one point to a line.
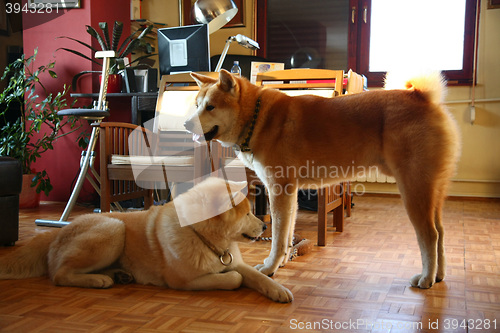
x=214, y=249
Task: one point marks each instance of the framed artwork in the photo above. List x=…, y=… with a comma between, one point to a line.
x=237, y=21
x=491, y=4
x=58, y=3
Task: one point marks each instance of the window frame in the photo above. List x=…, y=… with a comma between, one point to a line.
x=359, y=44
x=261, y=26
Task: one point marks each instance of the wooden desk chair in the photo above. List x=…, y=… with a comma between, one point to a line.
x=117, y=181
x=326, y=83
x=135, y=160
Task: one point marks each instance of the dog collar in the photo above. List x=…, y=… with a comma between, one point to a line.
x=245, y=146
x=214, y=249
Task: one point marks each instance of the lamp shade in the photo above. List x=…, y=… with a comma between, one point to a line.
x=214, y=12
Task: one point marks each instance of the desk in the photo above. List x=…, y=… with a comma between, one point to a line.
x=140, y=102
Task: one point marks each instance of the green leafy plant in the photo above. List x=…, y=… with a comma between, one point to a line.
x=17, y=138
x=134, y=42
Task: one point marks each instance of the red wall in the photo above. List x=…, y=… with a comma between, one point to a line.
x=40, y=31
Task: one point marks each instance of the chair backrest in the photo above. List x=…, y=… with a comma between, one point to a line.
x=123, y=139
x=302, y=78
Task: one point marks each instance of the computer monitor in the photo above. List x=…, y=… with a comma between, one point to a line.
x=184, y=49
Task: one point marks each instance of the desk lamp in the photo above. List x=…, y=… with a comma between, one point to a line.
x=217, y=13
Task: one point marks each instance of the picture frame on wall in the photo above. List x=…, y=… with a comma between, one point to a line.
x=237, y=21
x=492, y=4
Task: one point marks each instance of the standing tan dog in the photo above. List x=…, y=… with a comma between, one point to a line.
x=304, y=141
x=151, y=247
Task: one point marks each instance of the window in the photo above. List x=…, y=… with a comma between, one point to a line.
x=427, y=34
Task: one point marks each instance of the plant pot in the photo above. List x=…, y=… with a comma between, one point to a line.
x=114, y=83
x=28, y=197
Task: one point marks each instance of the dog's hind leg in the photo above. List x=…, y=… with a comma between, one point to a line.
x=441, y=259
x=283, y=201
x=84, y=247
x=419, y=200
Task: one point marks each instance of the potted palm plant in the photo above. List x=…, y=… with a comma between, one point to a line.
x=29, y=124
x=135, y=41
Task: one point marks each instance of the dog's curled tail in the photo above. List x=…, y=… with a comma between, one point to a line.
x=30, y=260
x=431, y=84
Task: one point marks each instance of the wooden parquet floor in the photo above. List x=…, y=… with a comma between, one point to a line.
x=357, y=283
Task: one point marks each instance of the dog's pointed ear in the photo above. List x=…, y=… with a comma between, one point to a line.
x=227, y=82
x=202, y=79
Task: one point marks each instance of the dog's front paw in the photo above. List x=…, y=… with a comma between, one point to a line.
x=422, y=282
x=101, y=281
x=266, y=270
x=280, y=294
x=269, y=267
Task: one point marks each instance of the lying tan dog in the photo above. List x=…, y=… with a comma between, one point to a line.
x=152, y=248
x=304, y=141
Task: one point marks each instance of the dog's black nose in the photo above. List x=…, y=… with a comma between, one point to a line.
x=264, y=227
x=189, y=125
